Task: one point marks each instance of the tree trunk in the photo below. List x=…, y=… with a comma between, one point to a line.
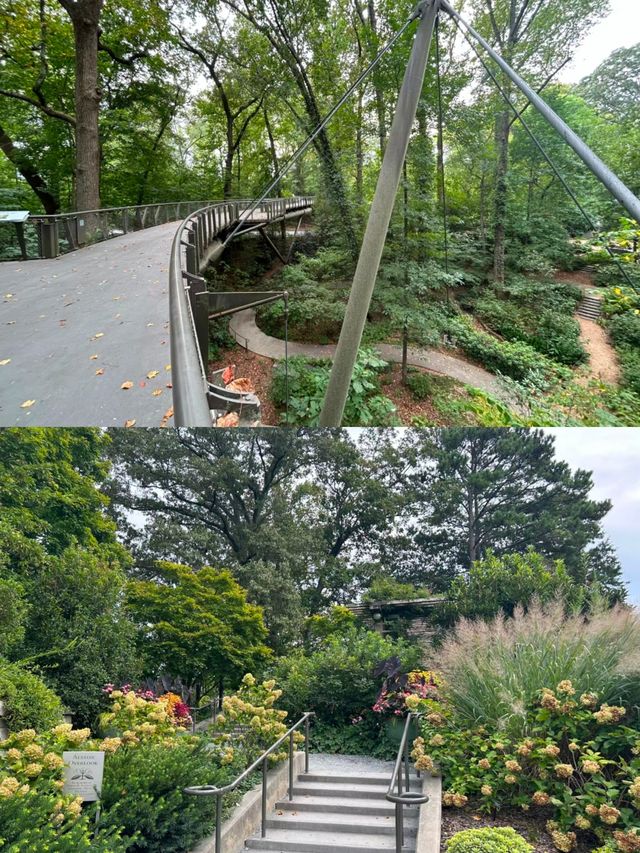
x=27, y=170
x=379, y=93
x=359, y=154
x=85, y=17
x=502, y=170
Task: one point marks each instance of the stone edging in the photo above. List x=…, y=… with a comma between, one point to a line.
x=245, y=818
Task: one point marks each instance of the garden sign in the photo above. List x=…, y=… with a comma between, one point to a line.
x=83, y=774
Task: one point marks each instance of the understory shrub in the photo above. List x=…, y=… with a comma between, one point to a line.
x=513, y=359
x=488, y=840
x=495, y=669
x=624, y=330
x=307, y=384
x=366, y=736
x=29, y=703
x=338, y=681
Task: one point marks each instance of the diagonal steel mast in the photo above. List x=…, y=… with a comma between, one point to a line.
x=389, y=179
x=379, y=217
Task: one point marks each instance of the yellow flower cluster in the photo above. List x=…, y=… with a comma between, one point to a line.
x=628, y=842
x=609, y=714
x=10, y=786
x=540, y=798
x=451, y=798
x=563, y=771
x=422, y=761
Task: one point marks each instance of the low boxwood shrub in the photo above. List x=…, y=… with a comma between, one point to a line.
x=29, y=703
x=488, y=840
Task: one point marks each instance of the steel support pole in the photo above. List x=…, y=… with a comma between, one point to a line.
x=379, y=217
x=604, y=174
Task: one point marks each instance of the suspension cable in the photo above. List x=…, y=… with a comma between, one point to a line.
x=547, y=157
x=443, y=187
x=417, y=13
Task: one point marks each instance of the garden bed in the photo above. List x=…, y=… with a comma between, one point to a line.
x=530, y=826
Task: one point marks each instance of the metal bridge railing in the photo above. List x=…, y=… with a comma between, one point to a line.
x=399, y=788
x=199, y=241
x=66, y=232
x=260, y=763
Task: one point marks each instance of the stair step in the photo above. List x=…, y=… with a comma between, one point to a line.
x=343, y=805
x=369, y=779
x=322, y=842
x=332, y=789
x=331, y=822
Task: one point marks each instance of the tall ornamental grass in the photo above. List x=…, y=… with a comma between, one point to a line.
x=494, y=669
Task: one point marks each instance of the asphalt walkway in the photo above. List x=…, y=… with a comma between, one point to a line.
x=243, y=327
x=75, y=329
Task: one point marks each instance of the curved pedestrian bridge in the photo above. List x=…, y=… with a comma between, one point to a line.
x=85, y=337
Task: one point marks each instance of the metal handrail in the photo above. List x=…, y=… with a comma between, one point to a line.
x=407, y=797
x=199, y=240
x=218, y=793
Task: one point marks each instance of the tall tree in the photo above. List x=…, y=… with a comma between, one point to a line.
x=85, y=19
x=500, y=490
x=534, y=38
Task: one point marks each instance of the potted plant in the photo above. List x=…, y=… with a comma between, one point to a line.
x=396, y=688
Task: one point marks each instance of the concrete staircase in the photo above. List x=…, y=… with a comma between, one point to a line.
x=336, y=812
x=590, y=308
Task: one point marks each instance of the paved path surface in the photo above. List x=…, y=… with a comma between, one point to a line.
x=243, y=327
x=109, y=300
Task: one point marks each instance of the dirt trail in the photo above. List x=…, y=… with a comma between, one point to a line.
x=603, y=361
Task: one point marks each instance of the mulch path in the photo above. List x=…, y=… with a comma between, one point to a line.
x=530, y=826
x=407, y=405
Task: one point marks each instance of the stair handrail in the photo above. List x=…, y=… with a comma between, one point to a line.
x=395, y=792
x=218, y=793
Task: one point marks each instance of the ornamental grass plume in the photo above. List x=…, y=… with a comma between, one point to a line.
x=493, y=670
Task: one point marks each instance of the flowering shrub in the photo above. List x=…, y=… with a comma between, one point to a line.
x=488, y=840
x=249, y=724
x=136, y=716
x=580, y=760
x=404, y=692
x=34, y=812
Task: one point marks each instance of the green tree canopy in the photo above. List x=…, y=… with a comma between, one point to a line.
x=197, y=626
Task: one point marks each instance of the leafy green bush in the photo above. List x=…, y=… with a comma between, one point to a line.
x=366, y=735
x=387, y=589
x=315, y=315
x=488, y=840
x=29, y=703
x=517, y=360
x=308, y=380
x=38, y=821
x=495, y=669
x=625, y=329
x=422, y=385
x=337, y=681
x=143, y=793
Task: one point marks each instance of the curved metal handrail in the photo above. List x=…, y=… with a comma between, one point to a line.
x=261, y=761
x=199, y=240
x=404, y=797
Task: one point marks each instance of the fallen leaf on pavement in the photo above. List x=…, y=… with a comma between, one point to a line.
x=93, y=357
x=126, y=385
x=4, y=361
x=130, y=423
x=152, y=374
x=157, y=392
x=98, y=335
x=167, y=367
x=100, y=371
x=166, y=417
x=27, y=404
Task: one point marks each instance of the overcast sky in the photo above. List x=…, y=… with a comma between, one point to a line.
x=620, y=29
x=614, y=457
